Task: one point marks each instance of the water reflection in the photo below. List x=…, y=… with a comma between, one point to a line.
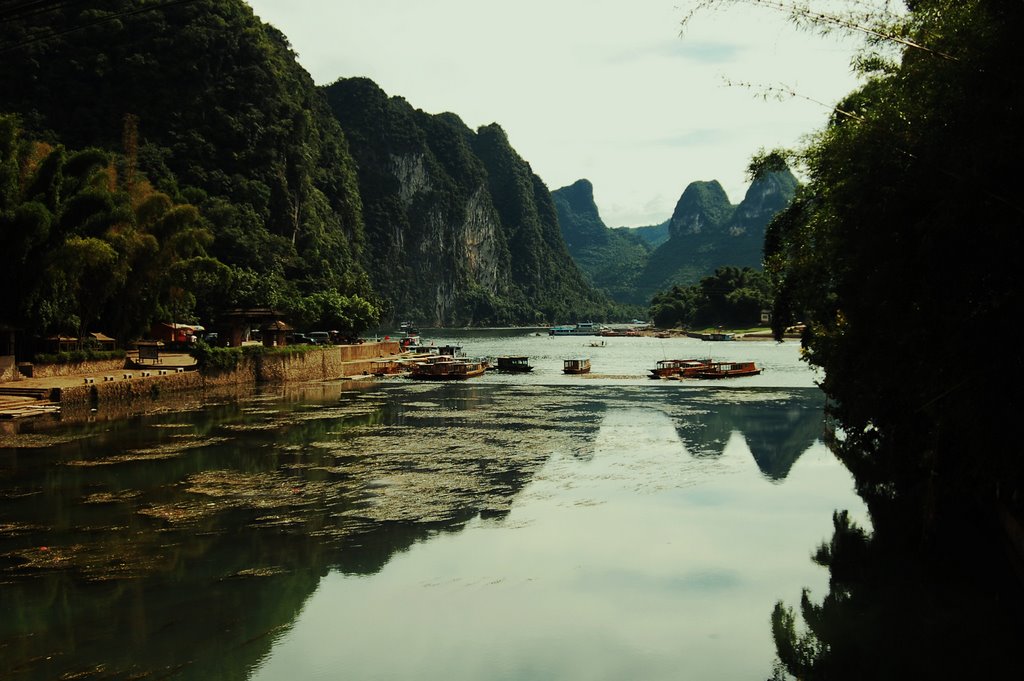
x=182, y=545
x=777, y=428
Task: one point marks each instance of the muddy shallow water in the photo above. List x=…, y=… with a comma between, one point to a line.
x=397, y=530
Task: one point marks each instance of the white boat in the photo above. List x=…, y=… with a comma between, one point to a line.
x=581, y=329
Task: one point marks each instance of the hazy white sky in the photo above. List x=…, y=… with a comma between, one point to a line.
x=608, y=91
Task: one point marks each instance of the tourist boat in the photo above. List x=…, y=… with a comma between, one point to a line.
x=514, y=363
x=448, y=369
x=576, y=365
x=727, y=370
x=432, y=349
x=386, y=367
x=581, y=329
x=682, y=368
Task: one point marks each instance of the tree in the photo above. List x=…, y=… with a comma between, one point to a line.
x=902, y=247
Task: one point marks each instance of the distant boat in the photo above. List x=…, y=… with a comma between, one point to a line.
x=448, y=369
x=576, y=365
x=581, y=329
x=683, y=368
x=713, y=336
x=727, y=370
x=514, y=363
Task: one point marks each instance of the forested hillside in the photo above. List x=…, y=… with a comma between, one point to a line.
x=462, y=231
x=612, y=258
x=206, y=106
x=209, y=105
x=706, y=232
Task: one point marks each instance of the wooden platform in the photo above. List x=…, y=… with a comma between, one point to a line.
x=20, y=406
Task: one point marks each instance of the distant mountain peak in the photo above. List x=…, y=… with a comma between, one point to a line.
x=703, y=206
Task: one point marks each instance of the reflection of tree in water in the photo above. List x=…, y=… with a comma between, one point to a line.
x=899, y=611
x=777, y=430
x=206, y=533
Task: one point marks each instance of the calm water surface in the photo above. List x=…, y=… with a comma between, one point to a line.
x=505, y=528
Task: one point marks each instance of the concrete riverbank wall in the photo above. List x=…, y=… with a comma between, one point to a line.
x=321, y=364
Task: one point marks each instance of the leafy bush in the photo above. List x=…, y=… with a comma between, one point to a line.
x=75, y=356
x=209, y=357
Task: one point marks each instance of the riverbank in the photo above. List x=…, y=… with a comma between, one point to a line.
x=98, y=383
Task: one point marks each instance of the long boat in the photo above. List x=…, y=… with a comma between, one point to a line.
x=576, y=365
x=728, y=370
x=581, y=329
x=386, y=367
x=683, y=368
x=713, y=336
x=448, y=369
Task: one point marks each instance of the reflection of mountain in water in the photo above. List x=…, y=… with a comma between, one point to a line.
x=206, y=531
x=777, y=430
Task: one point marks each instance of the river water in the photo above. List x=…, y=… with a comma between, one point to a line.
x=509, y=527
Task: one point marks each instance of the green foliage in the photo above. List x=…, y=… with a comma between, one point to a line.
x=705, y=232
x=902, y=245
x=462, y=230
x=210, y=358
x=330, y=310
x=732, y=297
x=222, y=118
x=612, y=259
x=77, y=253
x=905, y=242
x=76, y=356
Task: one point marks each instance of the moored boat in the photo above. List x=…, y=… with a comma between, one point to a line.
x=576, y=365
x=683, y=368
x=514, y=363
x=713, y=336
x=448, y=369
x=727, y=370
x=386, y=367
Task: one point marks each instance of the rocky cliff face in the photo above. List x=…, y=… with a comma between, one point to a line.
x=611, y=258
x=703, y=207
x=459, y=229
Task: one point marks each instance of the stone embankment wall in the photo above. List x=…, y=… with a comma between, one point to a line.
x=106, y=366
x=316, y=365
x=137, y=387
x=323, y=363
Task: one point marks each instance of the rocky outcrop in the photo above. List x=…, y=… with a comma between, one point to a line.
x=702, y=208
x=459, y=229
x=706, y=231
x=611, y=258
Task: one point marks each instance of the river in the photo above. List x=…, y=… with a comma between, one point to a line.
x=509, y=527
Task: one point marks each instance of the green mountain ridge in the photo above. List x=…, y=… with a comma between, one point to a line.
x=461, y=230
x=314, y=199
x=705, y=232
